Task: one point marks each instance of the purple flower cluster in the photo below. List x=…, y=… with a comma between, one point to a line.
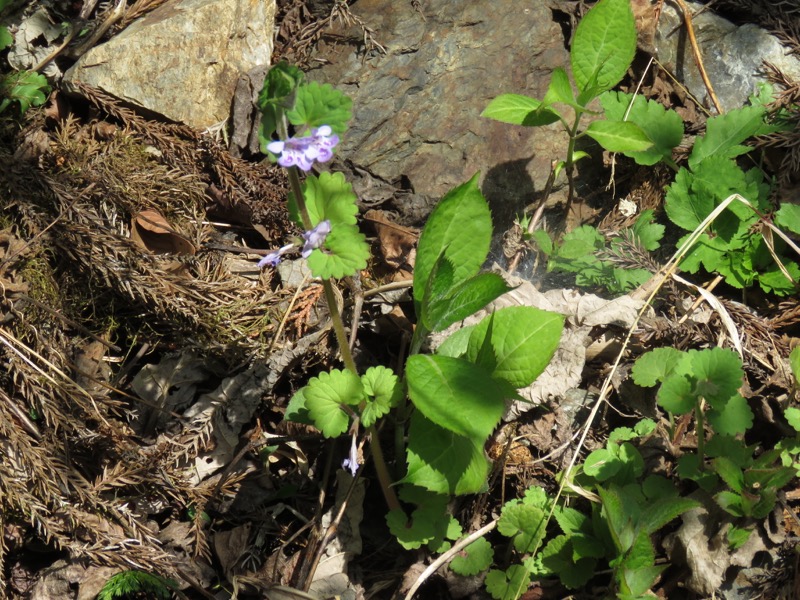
x=312, y=240
x=302, y=152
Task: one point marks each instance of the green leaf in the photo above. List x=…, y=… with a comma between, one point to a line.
x=28, y=88
x=601, y=464
x=320, y=104
x=465, y=299
x=560, y=90
x=557, y=558
x=6, y=39
x=325, y=395
x=733, y=418
x=737, y=537
x=456, y=345
x=442, y=461
x=519, y=110
x=603, y=45
x=279, y=86
x=414, y=532
x=473, y=559
x=682, y=207
x=788, y=217
x=731, y=503
x=508, y=584
x=571, y=521
x=726, y=132
x=296, y=410
x=793, y=414
x=619, y=136
x=647, y=233
x=657, y=514
x=460, y=227
x=661, y=126
x=383, y=392
x=345, y=253
x=718, y=373
x=525, y=524
x=327, y=197
x=524, y=340
x=455, y=394
x=676, y=395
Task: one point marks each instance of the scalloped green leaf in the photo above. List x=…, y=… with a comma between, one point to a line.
x=788, y=217
x=524, y=340
x=346, y=252
x=442, y=461
x=460, y=227
x=414, y=532
x=676, y=395
x=455, y=394
x=320, y=104
x=526, y=524
x=296, y=410
x=28, y=88
x=792, y=414
x=557, y=558
x=325, y=395
x=604, y=45
x=383, y=391
x=327, y=197
x=619, y=136
x=655, y=366
x=718, y=374
x=473, y=559
x=508, y=584
x=732, y=418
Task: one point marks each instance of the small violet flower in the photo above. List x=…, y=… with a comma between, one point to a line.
x=302, y=152
x=274, y=258
x=351, y=462
x=315, y=238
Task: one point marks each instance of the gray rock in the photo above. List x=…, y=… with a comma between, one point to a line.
x=732, y=55
x=183, y=59
x=416, y=109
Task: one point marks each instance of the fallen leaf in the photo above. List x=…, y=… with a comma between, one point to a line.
x=152, y=232
x=398, y=243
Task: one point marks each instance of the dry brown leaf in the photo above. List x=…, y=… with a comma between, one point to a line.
x=151, y=231
x=398, y=243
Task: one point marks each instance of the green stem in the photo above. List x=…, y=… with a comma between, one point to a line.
x=339, y=331
x=569, y=164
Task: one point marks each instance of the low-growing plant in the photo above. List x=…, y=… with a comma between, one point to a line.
x=137, y=584
x=27, y=88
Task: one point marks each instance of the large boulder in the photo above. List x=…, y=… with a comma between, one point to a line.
x=183, y=59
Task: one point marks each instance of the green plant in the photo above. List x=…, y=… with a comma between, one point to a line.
x=137, y=584
x=27, y=88
x=627, y=508
x=607, y=263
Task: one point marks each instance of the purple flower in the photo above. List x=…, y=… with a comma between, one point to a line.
x=315, y=238
x=302, y=152
x=274, y=258
x=351, y=462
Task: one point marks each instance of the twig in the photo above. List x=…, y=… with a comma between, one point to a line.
x=687, y=18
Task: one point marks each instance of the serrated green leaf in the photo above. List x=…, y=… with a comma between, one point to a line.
x=601, y=464
x=412, y=533
x=645, y=427
x=460, y=227
x=647, y=233
x=320, y=104
x=508, y=584
x=456, y=345
x=442, y=461
x=603, y=45
x=661, y=126
x=516, y=109
x=619, y=136
x=726, y=132
x=536, y=496
x=731, y=503
x=28, y=88
x=560, y=90
x=655, y=366
x=557, y=558
x=737, y=537
x=525, y=524
x=788, y=217
x=774, y=281
x=327, y=197
x=657, y=514
x=524, y=340
x=346, y=252
x=455, y=394
x=571, y=521
x=682, y=207
x=383, y=391
x=473, y=559
x=325, y=395
x=733, y=418
x=464, y=300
